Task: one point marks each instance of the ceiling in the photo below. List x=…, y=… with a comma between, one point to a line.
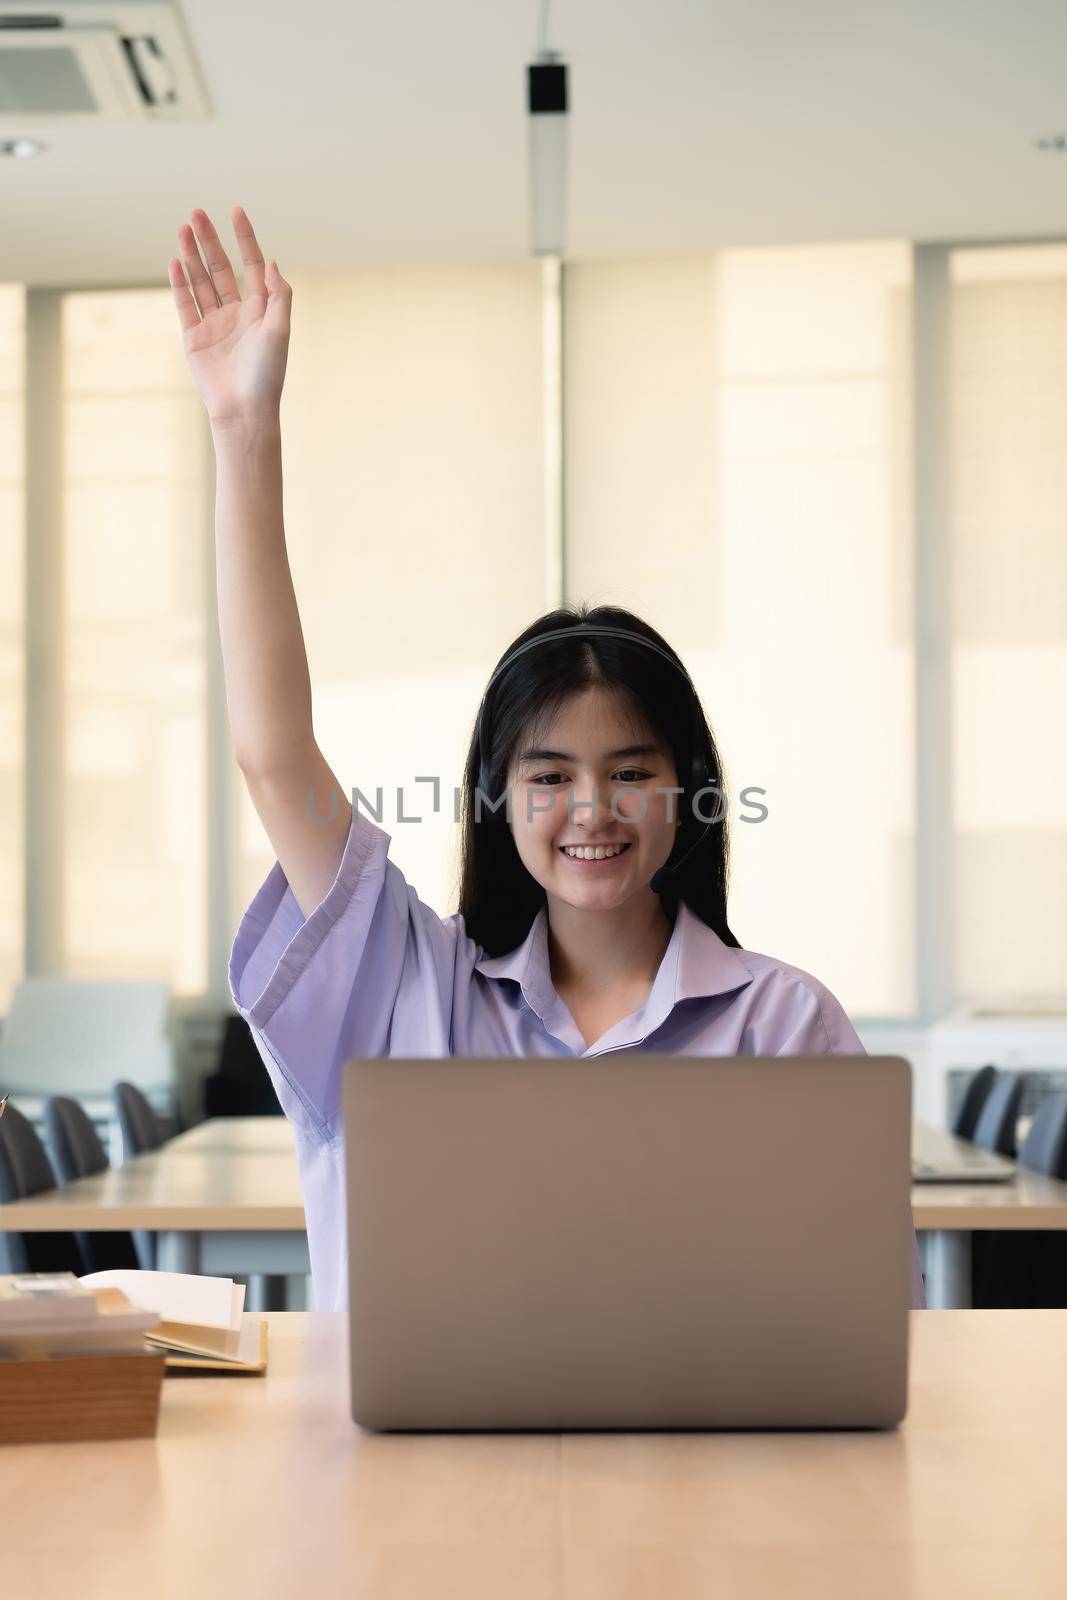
x=397, y=132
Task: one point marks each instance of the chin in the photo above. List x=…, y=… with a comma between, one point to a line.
x=583, y=894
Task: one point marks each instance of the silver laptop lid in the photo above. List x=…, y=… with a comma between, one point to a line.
x=939, y=1157
x=631, y=1241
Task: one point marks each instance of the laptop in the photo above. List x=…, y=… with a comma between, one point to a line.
x=939, y=1157
x=628, y=1242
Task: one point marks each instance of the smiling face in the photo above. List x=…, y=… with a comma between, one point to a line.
x=592, y=746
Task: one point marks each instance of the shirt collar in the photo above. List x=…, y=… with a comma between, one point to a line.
x=695, y=964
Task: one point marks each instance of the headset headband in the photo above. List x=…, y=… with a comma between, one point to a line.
x=587, y=628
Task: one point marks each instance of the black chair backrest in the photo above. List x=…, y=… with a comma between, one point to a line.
x=1045, y=1147
x=25, y=1170
x=74, y=1142
x=141, y=1128
x=995, y=1129
x=977, y=1094
x=141, y=1131
x=77, y=1152
x=240, y=1087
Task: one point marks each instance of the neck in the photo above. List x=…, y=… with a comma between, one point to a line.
x=597, y=950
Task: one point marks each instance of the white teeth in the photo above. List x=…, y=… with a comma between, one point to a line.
x=592, y=853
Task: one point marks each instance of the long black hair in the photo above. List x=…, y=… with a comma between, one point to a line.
x=498, y=897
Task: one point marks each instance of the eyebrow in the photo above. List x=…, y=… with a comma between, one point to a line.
x=609, y=755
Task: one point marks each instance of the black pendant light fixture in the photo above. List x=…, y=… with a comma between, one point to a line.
x=546, y=91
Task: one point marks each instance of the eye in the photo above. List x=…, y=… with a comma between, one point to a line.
x=636, y=775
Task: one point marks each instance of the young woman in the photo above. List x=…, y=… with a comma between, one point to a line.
x=595, y=838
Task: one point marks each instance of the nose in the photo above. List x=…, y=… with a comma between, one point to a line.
x=591, y=805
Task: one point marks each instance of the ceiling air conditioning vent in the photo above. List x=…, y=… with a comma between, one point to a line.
x=84, y=61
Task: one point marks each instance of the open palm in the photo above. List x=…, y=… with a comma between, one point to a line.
x=237, y=349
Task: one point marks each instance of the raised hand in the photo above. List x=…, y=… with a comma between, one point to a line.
x=237, y=349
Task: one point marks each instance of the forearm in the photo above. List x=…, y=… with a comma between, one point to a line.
x=268, y=687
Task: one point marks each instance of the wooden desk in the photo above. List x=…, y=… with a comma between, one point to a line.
x=265, y=1487
x=237, y=1135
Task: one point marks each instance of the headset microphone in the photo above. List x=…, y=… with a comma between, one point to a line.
x=662, y=880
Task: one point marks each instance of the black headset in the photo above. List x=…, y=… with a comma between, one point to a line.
x=700, y=774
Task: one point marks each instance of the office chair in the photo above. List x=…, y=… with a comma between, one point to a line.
x=25, y=1170
x=995, y=1128
x=141, y=1131
x=141, y=1128
x=977, y=1094
x=1045, y=1147
x=76, y=1153
x=1028, y=1268
x=240, y=1087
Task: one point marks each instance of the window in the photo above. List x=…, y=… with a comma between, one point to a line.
x=1008, y=514
x=739, y=475
x=134, y=593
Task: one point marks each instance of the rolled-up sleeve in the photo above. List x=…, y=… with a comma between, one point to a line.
x=371, y=972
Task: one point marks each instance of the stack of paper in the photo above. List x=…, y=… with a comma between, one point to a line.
x=51, y=1313
x=199, y=1321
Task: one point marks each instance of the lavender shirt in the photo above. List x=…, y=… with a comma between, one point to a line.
x=375, y=972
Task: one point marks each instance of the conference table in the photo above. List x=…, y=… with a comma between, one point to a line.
x=224, y=1198
x=946, y=1214
x=263, y=1486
